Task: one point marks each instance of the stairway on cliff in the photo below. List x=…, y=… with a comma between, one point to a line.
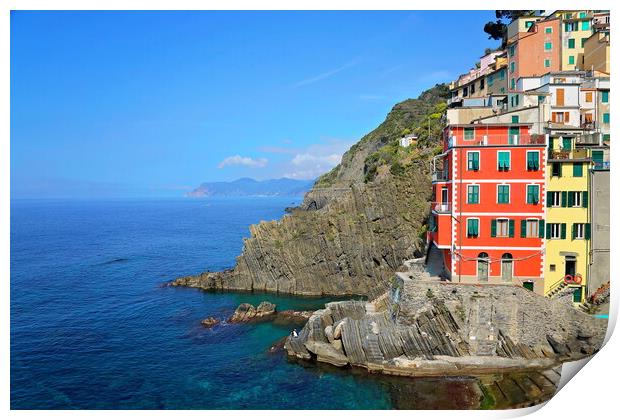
x=482, y=331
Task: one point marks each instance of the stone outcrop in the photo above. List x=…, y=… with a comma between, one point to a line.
x=246, y=312
x=351, y=246
x=210, y=322
x=432, y=328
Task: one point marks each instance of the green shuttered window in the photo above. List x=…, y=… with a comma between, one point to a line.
x=533, y=161
x=473, y=194
x=503, y=161
x=503, y=194
x=533, y=194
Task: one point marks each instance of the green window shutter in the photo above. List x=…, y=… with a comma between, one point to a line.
x=549, y=198
x=563, y=231
x=577, y=169
x=564, y=196
x=585, y=25
x=532, y=161
x=571, y=43
x=571, y=198
x=566, y=144
x=571, y=59
x=583, y=42
x=573, y=231
x=475, y=161
x=523, y=228
x=606, y=118
x=548, y=231
x=515, y=119
x=511, y=228
x=587, y=231
x=605, y=96
x=541, y=229
x=584, y=199
x=469, y=134
x=493, y=228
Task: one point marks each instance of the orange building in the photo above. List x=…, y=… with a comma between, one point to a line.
x=533, y=49
x=487, y=215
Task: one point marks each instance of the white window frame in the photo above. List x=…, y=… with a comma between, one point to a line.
x=497, y=220
x=581, y=229
x=527, y=192
x=497, y=193
x=558, y=234
x=577, y=196
x=509, y=159
x=527, y=151
x=467, y=226
x=467, y=190
x=536, y=228
x=557, y=194
x=473, y=151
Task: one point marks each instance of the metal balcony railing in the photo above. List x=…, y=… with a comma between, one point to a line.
x=439, y=207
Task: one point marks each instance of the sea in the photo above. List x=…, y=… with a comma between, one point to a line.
x=94, y=326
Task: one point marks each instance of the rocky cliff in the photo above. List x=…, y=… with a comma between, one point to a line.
x=353, y=230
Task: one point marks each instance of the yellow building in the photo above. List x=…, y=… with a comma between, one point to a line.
x=596, y=53
x=568, y=229
x=575, y=29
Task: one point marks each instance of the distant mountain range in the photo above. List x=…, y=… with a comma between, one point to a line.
x=248, y=187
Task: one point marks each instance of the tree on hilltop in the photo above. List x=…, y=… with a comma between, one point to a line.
x=498, y=29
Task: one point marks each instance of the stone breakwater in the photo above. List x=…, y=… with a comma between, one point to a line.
x=425, y=328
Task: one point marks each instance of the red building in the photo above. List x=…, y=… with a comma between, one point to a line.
x=487, y=215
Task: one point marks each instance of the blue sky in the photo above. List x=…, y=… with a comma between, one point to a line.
x=154, y=103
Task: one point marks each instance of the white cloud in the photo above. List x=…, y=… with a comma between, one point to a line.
x=316, y=159
x=244, y=161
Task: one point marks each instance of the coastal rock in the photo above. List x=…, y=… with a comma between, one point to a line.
x=247, y=312
x=210, y=322
x=292, y=316
x=327, y=353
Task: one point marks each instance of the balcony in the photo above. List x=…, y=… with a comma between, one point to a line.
x=601, y=166
x=569, y=154
x=587, y=139
x=497, y=140
x=439, y=207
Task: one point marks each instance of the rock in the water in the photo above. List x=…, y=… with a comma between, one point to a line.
x=247, y=312
x=210, y=322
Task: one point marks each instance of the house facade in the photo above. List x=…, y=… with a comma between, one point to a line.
x=488, y=209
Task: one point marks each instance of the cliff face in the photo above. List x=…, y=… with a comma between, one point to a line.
x=351, y=233
x=351, y=246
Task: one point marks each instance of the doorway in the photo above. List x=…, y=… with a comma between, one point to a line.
x=570, y=266
x=507, y=267
x=483, y=266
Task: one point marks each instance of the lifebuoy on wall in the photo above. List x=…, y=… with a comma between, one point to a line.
x=568, y=279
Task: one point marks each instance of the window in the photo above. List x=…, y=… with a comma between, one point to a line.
x=502, y=228
x=473, y=194
x=472, y=228
x=553, y=199
x=556, y=230
x=465, y=93
x=574, y=199
x=511, y=51
x=503, y=194
x=512, y=84
x=606, y=118
x=556, y=169
x=571, y=59
x=533, y=194
x=482, y=83
x=582, y=15
x=583, y=42
x=503, y=161
x=472, y=88
x=512, y=66
x=585, y=25
x=571, y=43
x=502, y=74
x=532, y=228
x=515, y=119
x=570, y=26
x=588, y=96
x=566, y=143
x=473, y=161
x=578, y=231
x=529, y=24
x=469, y=133
x=549, y=30
x=605, y=96
x=490, y=80
x=547, y=62
x=533, y=160
x=577, y=169
x=568, y=15
x=581, y=231
x=548, y=46
x=552, y=267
